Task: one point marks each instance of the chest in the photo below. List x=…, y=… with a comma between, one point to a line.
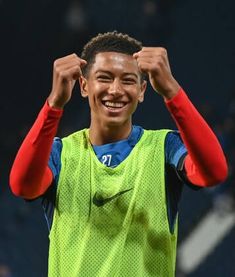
x=112, y=198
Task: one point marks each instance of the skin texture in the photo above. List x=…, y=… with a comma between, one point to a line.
x=114, y=80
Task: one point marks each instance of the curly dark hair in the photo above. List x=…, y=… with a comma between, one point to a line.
x=109, y=42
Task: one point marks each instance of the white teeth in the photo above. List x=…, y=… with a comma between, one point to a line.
x=114, y=104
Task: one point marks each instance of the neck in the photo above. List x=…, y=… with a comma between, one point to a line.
x=100, y=135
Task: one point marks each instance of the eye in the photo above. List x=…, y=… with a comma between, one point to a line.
x=129, y=81
x=104, y=78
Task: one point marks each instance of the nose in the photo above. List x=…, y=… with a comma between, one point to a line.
x=115, y=88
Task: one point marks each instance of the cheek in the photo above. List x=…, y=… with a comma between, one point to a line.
x=98, y=89
x=95, y=96
x=136, y=94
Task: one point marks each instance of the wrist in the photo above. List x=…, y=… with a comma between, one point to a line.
x=172, y=91
x=54, y=103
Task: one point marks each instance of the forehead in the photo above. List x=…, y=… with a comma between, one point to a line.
x=115, y=61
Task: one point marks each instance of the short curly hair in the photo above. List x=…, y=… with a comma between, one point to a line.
x=109, y=42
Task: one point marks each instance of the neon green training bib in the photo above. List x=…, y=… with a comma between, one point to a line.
x=112, y=221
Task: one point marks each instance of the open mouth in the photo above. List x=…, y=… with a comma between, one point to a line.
x=113, y=105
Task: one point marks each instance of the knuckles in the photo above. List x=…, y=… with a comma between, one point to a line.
x=163, y=51
x=62, y=72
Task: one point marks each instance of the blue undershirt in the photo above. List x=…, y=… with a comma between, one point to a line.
x=113, y=154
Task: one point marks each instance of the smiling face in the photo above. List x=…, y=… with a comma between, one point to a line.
x=114, y=88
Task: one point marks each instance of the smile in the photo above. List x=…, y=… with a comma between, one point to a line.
x=113, y=105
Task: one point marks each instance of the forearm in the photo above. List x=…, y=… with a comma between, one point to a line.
x=205, y=163
x=30, y=175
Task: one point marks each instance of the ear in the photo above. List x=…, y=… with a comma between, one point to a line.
x=83, y=86
x=143, y=87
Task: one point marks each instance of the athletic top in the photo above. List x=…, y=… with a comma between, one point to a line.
x=113, y=154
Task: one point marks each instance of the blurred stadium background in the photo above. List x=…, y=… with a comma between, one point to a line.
x=200, y=38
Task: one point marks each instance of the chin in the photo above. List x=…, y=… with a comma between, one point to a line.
x=116, y=122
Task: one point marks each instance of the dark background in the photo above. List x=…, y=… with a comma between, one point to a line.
x=200, y=39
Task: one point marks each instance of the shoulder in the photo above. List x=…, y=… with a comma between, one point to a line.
x=76, y=135
x=168, y=136
x=163, y=133
x=173, y=138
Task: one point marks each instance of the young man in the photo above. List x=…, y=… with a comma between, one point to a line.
x=111, y=192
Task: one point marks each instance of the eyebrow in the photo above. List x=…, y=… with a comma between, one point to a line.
x=110, y=73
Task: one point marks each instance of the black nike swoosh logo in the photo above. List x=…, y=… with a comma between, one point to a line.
x=98, y=201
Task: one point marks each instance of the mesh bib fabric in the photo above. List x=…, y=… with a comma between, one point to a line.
x=112, y=221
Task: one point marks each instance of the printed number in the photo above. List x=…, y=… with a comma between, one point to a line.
x=106, y=159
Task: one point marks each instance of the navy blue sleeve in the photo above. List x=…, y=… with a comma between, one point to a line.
x=175, y=153
x=175, y=150
x=48, y=200
x=175, y=177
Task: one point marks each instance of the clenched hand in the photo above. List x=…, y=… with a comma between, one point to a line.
x=154, y=61
x=66, y=72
